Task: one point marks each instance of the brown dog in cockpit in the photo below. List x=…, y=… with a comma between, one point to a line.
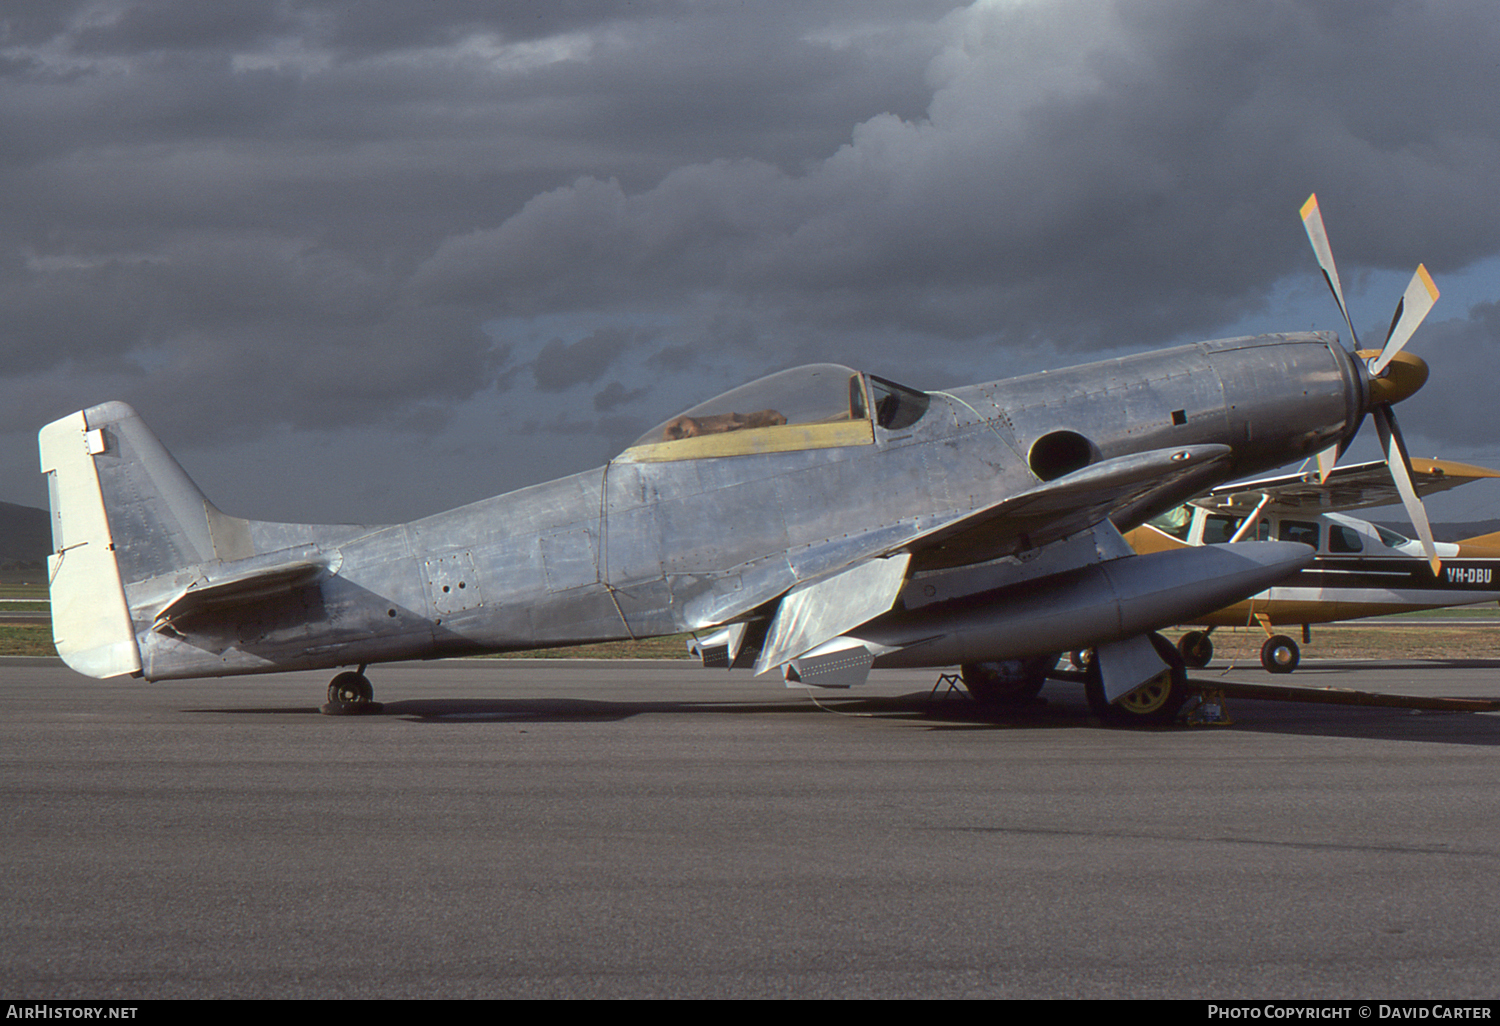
x=692, y=427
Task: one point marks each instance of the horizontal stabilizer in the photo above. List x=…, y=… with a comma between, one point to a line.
x=251, y=586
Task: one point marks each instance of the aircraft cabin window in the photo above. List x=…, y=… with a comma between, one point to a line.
x=1299, y=531
x=1218, y=528
x=1175, y=522
x=1390, y=539
x=1344, y=539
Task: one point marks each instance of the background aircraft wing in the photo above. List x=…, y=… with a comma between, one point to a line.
x=1352, y=487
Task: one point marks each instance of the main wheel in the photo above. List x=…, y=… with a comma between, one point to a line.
x=1156, y=701
x=350, y=688
x=1280, y=654
x=1008, y=683
x=1196, y=648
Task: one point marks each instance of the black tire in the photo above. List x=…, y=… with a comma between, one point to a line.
x=350, y=688
x=1196, y=648
x=1008, y=683
x=1280, y=654
x=1157, y=701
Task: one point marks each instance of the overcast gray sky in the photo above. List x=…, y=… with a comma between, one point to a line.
x=362, y=260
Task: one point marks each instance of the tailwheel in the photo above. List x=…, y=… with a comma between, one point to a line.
x=1008, y=683
x=1196, y=648
x=351, y=694
x=1280, y=654
x=1156, y=701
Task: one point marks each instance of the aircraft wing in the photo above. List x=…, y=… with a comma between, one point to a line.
x=1111, y=489
x=1353, y=487
x=821, y=609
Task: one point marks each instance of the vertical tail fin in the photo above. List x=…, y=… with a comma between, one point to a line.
x=123, y=511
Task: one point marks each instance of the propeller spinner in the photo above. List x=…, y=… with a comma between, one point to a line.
x=1392, y=374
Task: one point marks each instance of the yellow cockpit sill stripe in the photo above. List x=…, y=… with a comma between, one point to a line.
x=782, y=438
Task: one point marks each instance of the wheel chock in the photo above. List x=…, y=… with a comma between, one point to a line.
x=1210, y=711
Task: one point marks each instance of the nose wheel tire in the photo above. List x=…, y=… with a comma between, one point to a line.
x=1280, y=654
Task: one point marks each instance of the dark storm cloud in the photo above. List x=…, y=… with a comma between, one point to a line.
x=176, y=25
x=1456, y=407
x=562, y=365
x=1086, y=173
x=188, y=177
x=615, y=394
x=322, y=214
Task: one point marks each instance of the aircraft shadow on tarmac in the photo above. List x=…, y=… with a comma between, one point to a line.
x=1060, y=707
x=1063, y=708
x=1355, y=665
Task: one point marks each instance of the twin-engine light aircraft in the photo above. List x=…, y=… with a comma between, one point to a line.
x=818, y=522
x=1360, y=570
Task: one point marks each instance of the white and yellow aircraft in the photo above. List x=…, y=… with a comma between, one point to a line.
x=1360, y=569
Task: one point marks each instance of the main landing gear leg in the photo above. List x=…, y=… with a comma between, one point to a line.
x=351, y=694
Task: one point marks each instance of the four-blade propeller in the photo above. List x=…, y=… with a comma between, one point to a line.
x=1391, y=378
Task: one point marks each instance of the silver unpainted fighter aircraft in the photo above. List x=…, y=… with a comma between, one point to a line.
x=816, y=523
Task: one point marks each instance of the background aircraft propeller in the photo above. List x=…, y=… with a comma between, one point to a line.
x=1388, y=384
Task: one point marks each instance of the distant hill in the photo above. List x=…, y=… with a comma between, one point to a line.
x=25, y=534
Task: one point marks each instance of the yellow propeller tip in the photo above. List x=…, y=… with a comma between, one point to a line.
x=1427, y=282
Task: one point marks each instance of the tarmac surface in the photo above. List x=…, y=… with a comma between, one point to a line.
x=654, y=829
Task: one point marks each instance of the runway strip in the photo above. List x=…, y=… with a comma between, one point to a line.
x=586, y=829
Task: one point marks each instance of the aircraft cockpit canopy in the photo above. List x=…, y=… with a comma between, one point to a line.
x=815, y=407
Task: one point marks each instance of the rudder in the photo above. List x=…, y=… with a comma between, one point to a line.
x=90, y=622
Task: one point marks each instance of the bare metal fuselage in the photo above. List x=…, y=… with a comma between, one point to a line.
x=640, y=548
